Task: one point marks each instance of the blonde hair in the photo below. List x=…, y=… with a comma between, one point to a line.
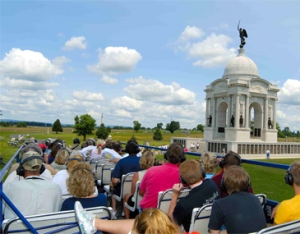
x=74, y=158
x=154, y=221
x=147, y=160
x=81, y=182
x=61, y=156
x=208, y=162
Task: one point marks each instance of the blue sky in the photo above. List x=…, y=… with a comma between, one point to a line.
x=139, y=60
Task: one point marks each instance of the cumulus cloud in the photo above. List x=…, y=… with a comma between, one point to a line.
x=27, y=65
x=75, y=43
x=25, y=84
x=289, y=93
x=114, y=60
x=191, y=32
x=127, y=103
x=60, y=61
x=87, y=96
x=213, y=51
x=155, y=91
x=108, y=80
x=123, y=113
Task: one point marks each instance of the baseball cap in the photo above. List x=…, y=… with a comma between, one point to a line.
x=34, y=164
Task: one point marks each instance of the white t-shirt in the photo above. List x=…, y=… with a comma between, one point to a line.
x=109, y=154
x=84, y=150
x=32, y=196
x=61, y=179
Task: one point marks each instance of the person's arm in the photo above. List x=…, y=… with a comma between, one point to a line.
x=214, y=231
x=274, y=211
x=114, y=160
x=115, y=181
x=116, y=175
x=135, y=179
x=143, y=184
x=175, y=194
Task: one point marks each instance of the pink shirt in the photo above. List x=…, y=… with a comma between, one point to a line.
x=156, y=179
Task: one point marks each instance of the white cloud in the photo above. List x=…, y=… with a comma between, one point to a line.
x=60, y=35
x=60, y=61
x=108, y=80
x=289, y=93
x=155, y=91
x=25, y=84
x=191, y=32
x=75, y=43
x=213, y=51
x=123, y=113
x=87, y=96
x=126, y=103
x=114, y=60
x=27, y=65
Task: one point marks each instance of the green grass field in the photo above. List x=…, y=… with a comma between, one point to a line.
x=269, y=181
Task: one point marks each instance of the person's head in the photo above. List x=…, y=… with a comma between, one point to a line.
x=62, y=156
x=293, y=174
x=132, y=147
x=83, y=144
x=109, y=144
x=147, y=160
x=55, y=149
x=208, y=162
x=76, y=141
x=117, y=146
x=231, y=159
x=32, y=140
x=154, y=221
x=75, y=157
x=81, y=182
x=235, y=179
x=191, y=172
x=48, y=142
x=31, y=164
x=175, y=153
x=31, y=147
x=91, y=141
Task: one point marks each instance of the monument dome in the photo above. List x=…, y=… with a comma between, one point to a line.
x=241, y=66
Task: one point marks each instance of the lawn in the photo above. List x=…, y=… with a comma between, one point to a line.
x=269, y=181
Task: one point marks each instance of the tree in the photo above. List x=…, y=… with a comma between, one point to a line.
x=136, y=125
x=159, y=125
x=102, y=132
x=157, y=136
x=84, y=125
x=279, y=132
x=21, y=125
x=56, y=127
x=287, y=132
x=173, y=126
x=200, y=127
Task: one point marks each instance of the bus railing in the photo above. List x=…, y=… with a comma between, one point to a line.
x=268, y=207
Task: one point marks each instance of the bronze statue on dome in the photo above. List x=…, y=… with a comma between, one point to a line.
x=243, y=34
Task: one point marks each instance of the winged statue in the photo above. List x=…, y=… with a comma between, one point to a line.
x=243, y=34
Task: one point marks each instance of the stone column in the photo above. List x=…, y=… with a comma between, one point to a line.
x=247, y=112
x=207, y=112
x=274, y=115
x=213, y=114
x=237, y=112
x=229, y=112
x=266, y=113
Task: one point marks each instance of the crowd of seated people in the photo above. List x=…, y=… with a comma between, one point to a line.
x=228, y=190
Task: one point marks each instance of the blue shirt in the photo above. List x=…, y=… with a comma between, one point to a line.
x=125, y=165
x=100, y=200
